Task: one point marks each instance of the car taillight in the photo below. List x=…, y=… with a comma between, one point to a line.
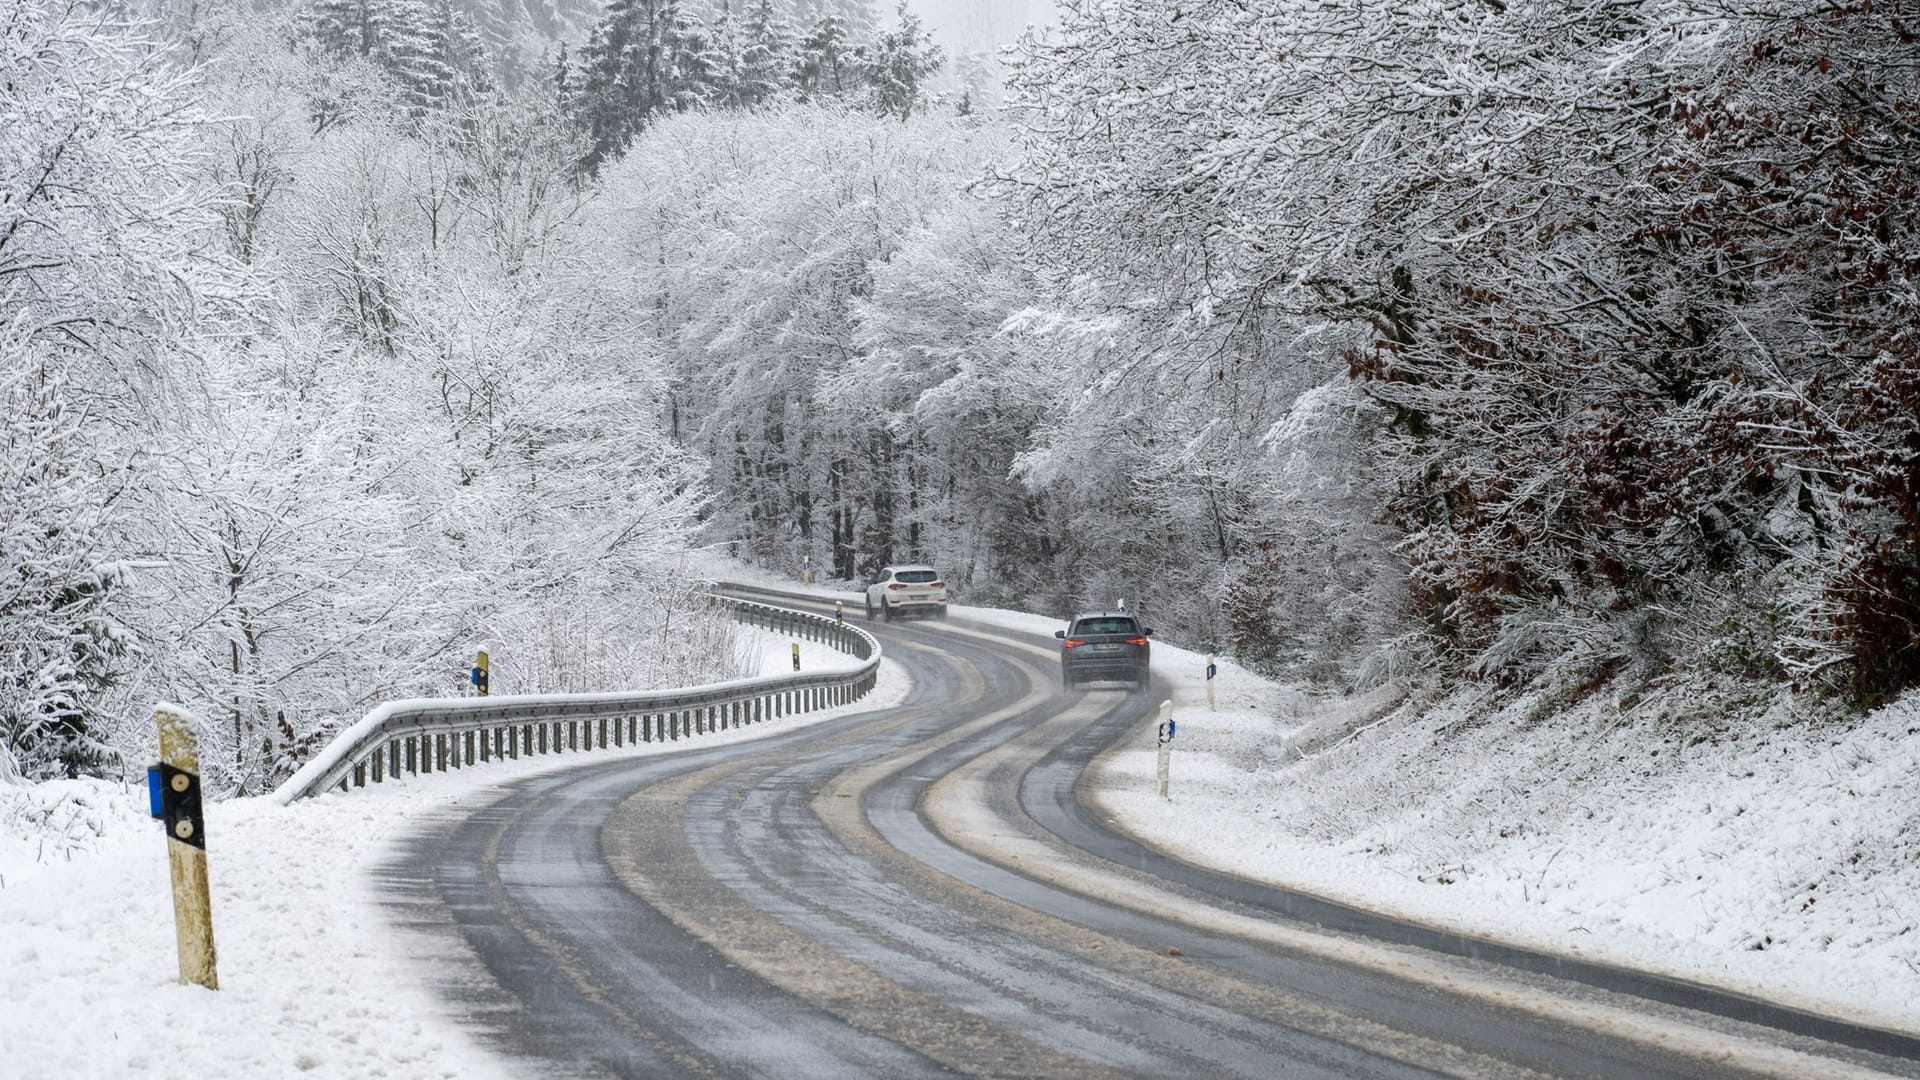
x=938, y=585
x=1136, y=641
x=895, y=585
x=1072, y=642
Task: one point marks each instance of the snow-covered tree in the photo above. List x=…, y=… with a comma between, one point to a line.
x=765, y=57
x=899, y=64
x=110, y=251
x=645, y=59
x=59, y=643
x=827, y=60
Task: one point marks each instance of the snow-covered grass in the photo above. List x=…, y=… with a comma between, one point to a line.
x=315, y=978
x=1705, y=829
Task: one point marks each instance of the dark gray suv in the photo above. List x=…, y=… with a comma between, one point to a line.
x=1104, y=645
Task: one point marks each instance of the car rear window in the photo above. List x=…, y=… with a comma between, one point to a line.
x=1110, y=624
x=915, y=577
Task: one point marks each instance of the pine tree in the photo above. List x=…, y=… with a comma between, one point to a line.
x=723, y=59
x=644, y=58
x=429, y=47
x=692, y=66
x=902, y=60
x=766, y=59
x=828, y=61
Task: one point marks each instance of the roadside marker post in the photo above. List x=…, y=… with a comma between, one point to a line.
x=1166, y=745
x=1212, y=670
x=796, y=656
x=480, y=673
x=173, y=788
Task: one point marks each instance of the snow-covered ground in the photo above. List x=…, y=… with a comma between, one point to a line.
x=314, y=978
x=1776, y=855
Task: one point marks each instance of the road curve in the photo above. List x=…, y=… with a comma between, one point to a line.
x=919, y=891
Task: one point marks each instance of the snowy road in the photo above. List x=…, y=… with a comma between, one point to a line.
x=917, y=891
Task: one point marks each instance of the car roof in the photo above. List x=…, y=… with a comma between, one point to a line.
x=1105, y=615
x=897, y=567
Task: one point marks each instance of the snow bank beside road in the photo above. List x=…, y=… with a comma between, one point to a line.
x=315, y=980
x=1775, y=856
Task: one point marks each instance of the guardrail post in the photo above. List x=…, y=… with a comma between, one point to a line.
x=178, y=784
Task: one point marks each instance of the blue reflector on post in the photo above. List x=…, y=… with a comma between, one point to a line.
x=153, y=792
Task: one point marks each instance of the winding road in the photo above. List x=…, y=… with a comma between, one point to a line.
x=919, y=890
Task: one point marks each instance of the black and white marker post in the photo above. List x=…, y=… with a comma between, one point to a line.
x=174, y=790
x=1166, y=744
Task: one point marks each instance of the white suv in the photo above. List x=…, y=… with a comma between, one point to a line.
x=907, y=590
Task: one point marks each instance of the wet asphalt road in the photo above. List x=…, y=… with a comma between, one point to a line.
x=918, y=891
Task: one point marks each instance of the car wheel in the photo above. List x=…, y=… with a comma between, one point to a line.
x=1066, y=679
x=886, y=613
x=869, y=611
x=1145, y=681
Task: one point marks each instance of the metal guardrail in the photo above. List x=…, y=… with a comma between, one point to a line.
x=427, y=735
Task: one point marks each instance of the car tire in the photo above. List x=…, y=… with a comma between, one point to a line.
x=886, y=613
x=1066, y=679
x=1145, y=680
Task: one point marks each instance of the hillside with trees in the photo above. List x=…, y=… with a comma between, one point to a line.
x=1482, y=342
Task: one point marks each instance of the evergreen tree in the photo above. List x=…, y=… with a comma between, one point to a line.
x=766, y=59
x=430, y=48
x=457, y=66
x=726, y=62
x=829, y=61
x=902, y=59
x=644, y=58
x=692, y=65
x=855, y=15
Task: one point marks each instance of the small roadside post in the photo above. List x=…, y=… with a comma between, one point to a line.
x=796, y=656
x=839, y=611
x=806, y=570
x=173, y=790
x=1212, y=670
x=1166, y=745
x=480, y=673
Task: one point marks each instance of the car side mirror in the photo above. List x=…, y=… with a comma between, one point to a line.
x=1149, y=631
x=1060, y=634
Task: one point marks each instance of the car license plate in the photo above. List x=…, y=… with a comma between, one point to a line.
x=1106, y=646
